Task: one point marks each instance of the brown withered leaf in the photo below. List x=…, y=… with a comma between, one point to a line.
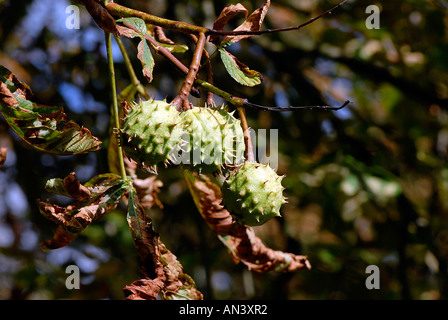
x=101, y=16
x=226, y=15
x=75, y=188
x=146, y=241
x=241, y=240
x=3, y=152
x=105, y=193
x=44, y=127
x=143, y=289
x=178, y=285
x=161, y=272
x=252, y=23
x=60, y=239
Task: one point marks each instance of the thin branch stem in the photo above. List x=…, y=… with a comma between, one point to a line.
x=115, y=105
x=118, y=10
x=131, y=72
x=181, y=98
x=209, y=70
x=293, y=108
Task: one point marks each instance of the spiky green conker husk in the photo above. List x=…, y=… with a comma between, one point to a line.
x=152, y=132
x=253, y=193
x=214, y=138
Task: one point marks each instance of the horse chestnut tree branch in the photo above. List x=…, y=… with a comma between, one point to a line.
x=203, y=142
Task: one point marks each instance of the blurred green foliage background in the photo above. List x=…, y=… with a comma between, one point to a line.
x=367, y=184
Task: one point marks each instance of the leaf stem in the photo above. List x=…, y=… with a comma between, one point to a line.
x=132, y=74
x=115, y=105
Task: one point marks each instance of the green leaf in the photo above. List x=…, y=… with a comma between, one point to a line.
x=138, y=23
x=44, y=127
x=175, y=48
x=239, y=71
x=132, y=215
x=145, y=56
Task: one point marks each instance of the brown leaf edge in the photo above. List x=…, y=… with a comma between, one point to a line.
x=241, y=240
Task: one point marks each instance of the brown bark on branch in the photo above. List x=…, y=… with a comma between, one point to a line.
x=181, y=99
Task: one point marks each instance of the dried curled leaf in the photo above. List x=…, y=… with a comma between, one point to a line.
x=252, y=23
x=100, y=15
x=147, y=188
x=161, y=273
x=178, y=285
x=241, y=240
x=225, y=16
x=105, y=193
x=43, y=127
x=69, y=186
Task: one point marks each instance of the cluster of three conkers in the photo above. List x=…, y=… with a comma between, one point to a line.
x=206, y=140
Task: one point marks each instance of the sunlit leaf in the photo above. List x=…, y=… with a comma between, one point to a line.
x=175, y=48
x=138, y=23
x=43, y=127
x=239, y=71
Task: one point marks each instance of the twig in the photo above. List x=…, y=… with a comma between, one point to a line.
x=208, y=65
x=181, y=98
x=293, y=108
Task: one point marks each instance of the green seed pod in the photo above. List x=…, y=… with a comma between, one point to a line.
x=152, y=132
x=214, y=138
x=253, y=193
